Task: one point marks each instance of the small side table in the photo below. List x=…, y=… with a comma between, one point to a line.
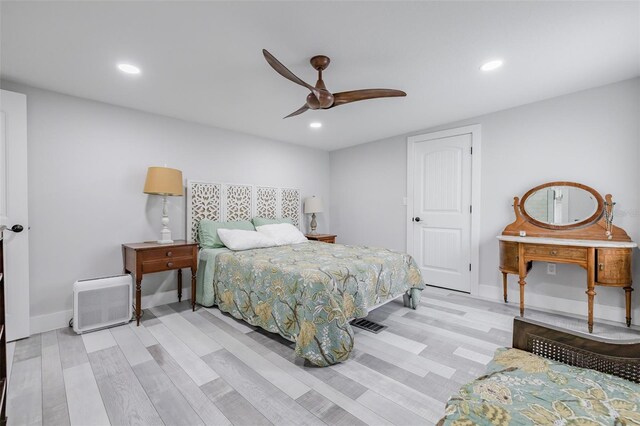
x=325, y=238
x=149, y=257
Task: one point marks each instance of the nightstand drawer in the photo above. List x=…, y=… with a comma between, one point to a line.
x=331, y=240
x=167, y=264
x=166, y=253
x=325, y=238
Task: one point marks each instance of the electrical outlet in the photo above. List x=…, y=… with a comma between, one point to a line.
x=551, y=268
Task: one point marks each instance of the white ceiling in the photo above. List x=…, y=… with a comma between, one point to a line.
x=202, y=61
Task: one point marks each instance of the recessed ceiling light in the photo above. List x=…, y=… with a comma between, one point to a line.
x=491, y=65
x=129, y=69
x=315, y=125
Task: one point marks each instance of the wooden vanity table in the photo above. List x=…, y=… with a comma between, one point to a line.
x=566, y=222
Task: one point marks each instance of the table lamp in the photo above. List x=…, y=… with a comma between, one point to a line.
x=164, y=181
x=313, y=205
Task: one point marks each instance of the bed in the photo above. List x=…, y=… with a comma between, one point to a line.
x=307, y=292
x=553, y=377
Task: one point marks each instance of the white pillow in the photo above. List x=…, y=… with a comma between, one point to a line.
x=240, y=239
x=282, y=233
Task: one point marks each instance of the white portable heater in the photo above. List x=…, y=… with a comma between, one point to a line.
x=101, y=302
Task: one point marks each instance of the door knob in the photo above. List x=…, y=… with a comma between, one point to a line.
x=416, y=219
x=14, y=228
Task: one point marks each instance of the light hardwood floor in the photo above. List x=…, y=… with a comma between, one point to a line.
x=190, y=368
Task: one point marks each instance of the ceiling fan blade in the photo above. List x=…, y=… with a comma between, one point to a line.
x=286, y=73
x=342, y=98
x=299, y=111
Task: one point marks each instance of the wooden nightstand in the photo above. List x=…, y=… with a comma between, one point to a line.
x=325, y=238
x=149, y=257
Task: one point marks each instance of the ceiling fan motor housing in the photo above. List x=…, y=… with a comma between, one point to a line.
x=325, y=100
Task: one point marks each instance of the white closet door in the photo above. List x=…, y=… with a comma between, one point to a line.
x=441, y=218
x=14, y=211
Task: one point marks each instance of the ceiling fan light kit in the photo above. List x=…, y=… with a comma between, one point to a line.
x=321, y=98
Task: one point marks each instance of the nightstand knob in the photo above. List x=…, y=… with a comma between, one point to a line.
x=170, y=264
x=169, y=253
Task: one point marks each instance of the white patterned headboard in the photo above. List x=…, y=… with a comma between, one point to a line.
x=230, y=202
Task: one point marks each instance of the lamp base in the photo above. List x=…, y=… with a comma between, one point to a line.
x=313, y=223
x=165, y=236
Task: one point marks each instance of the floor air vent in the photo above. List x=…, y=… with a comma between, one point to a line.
x=365, y=324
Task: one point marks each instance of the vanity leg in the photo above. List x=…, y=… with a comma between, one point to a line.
x=522, y=283
x=591, y=276
x=590, y=293
x=179, y=285
x=522, y=273
x=504, y=286
x=627, y=296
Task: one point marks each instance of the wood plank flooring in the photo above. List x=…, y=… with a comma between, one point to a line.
x=191, y=368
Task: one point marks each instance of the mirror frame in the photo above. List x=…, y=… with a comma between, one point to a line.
x=585, y=222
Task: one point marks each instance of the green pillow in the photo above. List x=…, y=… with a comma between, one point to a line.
x=208, y=231
x=259, y=221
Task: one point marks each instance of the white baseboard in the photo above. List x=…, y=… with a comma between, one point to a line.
x=55, y=320
x=561, y=305
x=48, y=322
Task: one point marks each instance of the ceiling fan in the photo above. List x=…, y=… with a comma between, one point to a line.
x=320, y=97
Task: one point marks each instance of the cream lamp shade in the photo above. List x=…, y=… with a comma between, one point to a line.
x=313, y=205
x=163, y=181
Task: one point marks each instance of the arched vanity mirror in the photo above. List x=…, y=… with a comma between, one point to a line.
x=562, y=205
x=565, y=210
x=568, y=222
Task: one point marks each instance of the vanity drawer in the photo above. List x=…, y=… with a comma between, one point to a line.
x=613, y=266
x=537, y=251
x=168, y=264
x=509, y=257
x=166, y=253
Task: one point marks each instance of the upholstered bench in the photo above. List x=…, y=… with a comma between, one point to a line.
x=522, y=388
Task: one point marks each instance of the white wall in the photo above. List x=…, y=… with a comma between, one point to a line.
x=592, y=137
x=87, y=165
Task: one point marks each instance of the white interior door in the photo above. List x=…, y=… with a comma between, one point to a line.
x=14, y=211
x=441, y=219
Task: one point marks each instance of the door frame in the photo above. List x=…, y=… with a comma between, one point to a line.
x=475, y=131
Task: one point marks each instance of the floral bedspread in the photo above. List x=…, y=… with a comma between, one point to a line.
x=309, y=292
x=524, y=389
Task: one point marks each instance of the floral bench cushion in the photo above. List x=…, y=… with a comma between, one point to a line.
x=524, y=389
